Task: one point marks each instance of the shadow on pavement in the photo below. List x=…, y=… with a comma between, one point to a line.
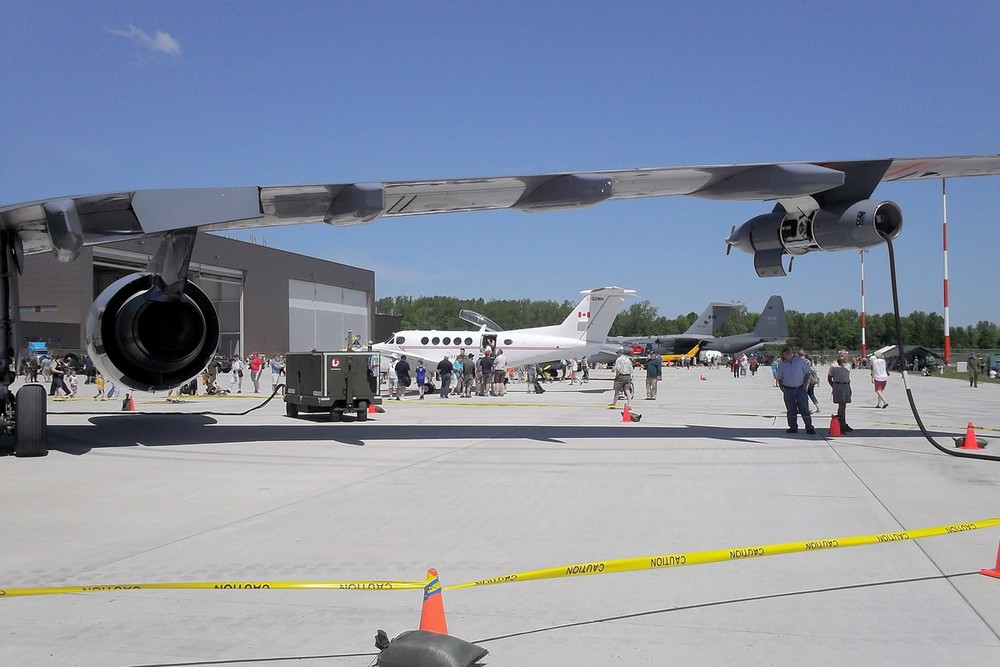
x=150, y=430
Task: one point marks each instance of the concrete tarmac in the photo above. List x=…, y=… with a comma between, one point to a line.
x=485, y=487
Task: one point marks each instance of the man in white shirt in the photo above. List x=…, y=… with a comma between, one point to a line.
x=623, y=378
x=880, y=376
x=236, y=375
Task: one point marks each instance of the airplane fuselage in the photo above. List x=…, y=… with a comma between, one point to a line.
x=519, y=346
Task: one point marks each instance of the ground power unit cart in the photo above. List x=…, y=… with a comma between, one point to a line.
x=332, y=382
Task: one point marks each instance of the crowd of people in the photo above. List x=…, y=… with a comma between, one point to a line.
x=469, y=374
x=65, y=373
x=487, y=373
x=251, y=367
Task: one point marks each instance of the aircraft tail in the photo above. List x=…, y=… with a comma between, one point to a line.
x=710, y=321
x=592, y=318
x=772, y=322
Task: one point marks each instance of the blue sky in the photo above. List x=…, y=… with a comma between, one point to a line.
x=104, y=96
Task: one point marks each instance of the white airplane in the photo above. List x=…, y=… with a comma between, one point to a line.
x=154, y=330
x=582, y=333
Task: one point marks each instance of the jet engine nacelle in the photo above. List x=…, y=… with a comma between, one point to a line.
x=148, y=338
x=849, y=227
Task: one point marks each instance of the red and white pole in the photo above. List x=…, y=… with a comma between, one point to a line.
x=944, y=237
x=864, y=354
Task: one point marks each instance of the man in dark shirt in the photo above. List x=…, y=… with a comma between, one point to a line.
x=485, y=377
x=445, y=369
x=402, y=369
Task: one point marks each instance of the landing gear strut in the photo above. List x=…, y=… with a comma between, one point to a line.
x=22, y=415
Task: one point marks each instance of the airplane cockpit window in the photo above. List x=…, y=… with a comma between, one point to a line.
x=400, y=340
x=435, y=340
x=424, y=340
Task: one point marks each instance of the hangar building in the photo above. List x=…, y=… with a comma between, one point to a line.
x=268, y=300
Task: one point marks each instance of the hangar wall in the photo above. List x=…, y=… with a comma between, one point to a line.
x=265, y=297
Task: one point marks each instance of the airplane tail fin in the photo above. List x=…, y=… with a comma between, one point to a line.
x=710, y=321
x=772, y=322
x=592, y=318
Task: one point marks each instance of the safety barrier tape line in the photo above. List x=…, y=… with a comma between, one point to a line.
x=272, y=585
x=654, y=562
x=719, y=555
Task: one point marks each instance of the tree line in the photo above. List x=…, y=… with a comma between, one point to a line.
x=815, y=331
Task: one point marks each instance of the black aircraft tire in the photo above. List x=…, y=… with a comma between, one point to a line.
x=291, y=410
x=32, y=435
x=362, y=415
x=336, y=415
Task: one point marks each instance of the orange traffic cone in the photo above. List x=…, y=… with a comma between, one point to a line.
x=835, y=427
x=432, y=613
x=372, y=410
x=970, y=439
x=995, y=572
x=128, y=405
x=626, y=414
x=702, y=377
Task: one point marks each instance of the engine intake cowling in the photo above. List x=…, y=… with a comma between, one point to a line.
x=147, y=339
x=768, y=237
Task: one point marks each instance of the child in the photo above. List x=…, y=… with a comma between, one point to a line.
x=100, y=388
x=421, y=378
x=73, y=387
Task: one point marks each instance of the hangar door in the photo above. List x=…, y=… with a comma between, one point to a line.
x=319, y=316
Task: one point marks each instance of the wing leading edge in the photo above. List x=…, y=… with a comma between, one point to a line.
x=65, y=224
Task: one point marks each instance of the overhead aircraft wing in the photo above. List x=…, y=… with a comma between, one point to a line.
x=64, y=224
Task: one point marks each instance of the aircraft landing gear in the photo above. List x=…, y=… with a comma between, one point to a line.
x=30, y=421
x=23, y=414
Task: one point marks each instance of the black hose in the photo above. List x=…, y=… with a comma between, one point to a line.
x=906, y=385
x=204, y=412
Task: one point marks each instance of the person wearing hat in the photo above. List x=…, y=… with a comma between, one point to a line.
x=402, y=377
x=623, y=378
x=445, y=369
x=421, y=373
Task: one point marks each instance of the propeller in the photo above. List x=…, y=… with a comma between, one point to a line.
x=729, y=244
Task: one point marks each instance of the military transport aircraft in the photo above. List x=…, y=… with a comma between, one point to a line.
x=154, y=330
x=676, y=345
x=582, y=333
x=771, y=327
x=703, y=328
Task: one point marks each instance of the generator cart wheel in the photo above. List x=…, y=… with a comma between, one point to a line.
x=291, y=410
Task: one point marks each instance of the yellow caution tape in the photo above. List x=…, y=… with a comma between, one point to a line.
x=223, y=585
x=654, y=562
x=660, y=561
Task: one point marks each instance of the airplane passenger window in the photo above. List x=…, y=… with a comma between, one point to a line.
x=424, y=340
x=468, y=341
x=435, y=340
x=447, y=341
x=508, y=341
